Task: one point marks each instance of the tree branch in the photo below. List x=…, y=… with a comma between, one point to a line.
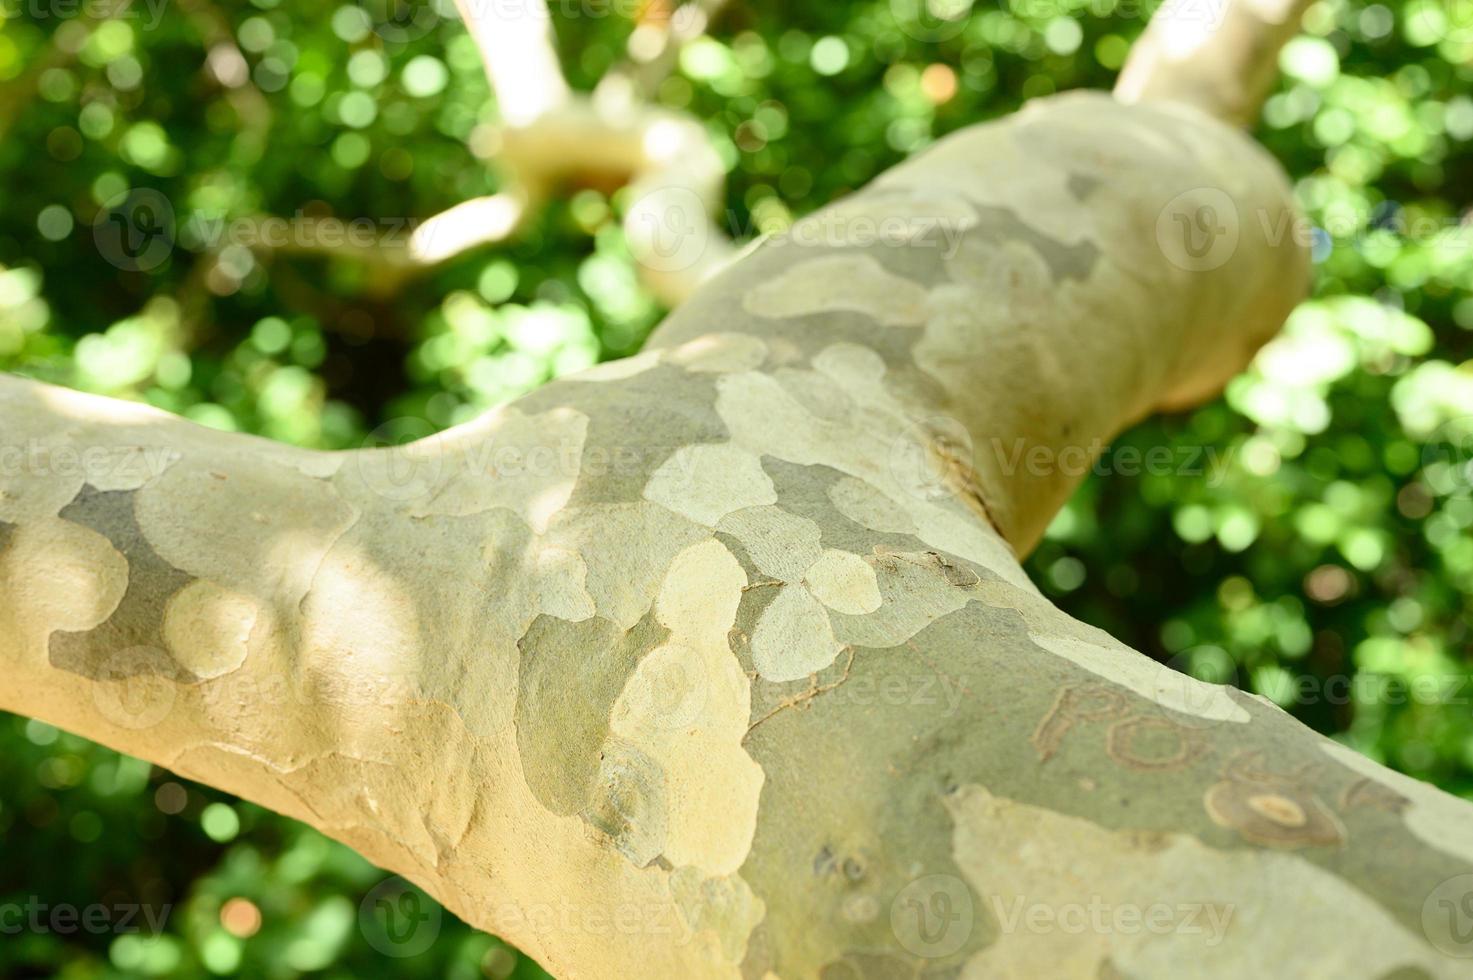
x=524, y=662
x=1223, y=59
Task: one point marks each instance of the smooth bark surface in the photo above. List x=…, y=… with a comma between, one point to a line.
x=718, y=661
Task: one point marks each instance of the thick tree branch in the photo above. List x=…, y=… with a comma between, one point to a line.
x=549, y=136
x=710, y=662
x=1221, y=57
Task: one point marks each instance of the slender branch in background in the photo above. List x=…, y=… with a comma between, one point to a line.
x=517, y=47
x=1222, y=59
x=549, y=135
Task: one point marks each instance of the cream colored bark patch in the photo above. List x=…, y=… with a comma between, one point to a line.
x=711, y=785
x=1436, y=818
x=844, y=582
x=706, y=482
x=720, y=353
x=526, y=463
x=854, y=283
x=57, y=575
x=626, y=367
x=723, y=911
x=627, y=549
x=342, y=655
x=1094, y=903
x=208, y=628
x=793, y=638
x=562, y=584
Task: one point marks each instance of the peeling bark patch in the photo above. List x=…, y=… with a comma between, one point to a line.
x=7, y=531
x=130, y=642
x=629, y=802
x=793, y=638
x=704, y=483
x=844, y=582
x=571, y=675
x=208, y=628
x=723, y=905
x=856, y=283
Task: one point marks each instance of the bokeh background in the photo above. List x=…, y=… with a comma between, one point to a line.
x=1322, y=558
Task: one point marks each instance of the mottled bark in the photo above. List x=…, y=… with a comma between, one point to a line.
x=718, y=661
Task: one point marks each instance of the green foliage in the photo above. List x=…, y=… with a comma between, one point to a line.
x=1323, y=557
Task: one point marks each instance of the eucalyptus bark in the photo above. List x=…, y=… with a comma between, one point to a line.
x=719, y=661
